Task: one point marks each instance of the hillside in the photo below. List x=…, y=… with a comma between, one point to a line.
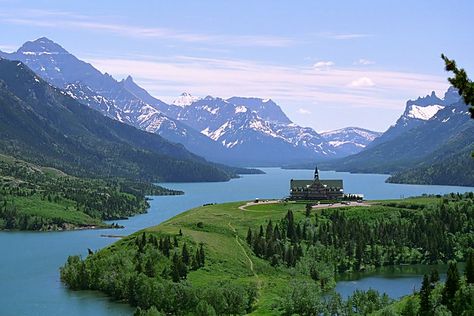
x=270, y=259
x=33, y=197
x=44, y=125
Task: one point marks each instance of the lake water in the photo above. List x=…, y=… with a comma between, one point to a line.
x=30, y=261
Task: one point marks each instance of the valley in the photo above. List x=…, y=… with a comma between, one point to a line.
x=318, y=162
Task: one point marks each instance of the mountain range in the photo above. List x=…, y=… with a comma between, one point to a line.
x=237, y=130
x=42, y=124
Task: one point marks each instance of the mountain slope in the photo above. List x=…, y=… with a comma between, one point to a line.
x=417, y=112
x=350, y=140
x=42, y=124
x=124, y=101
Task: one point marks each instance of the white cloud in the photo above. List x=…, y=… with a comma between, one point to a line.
x=362, y=82
x=168, y=77
x=303, y=111
x=363, y=61
x=344, y=36
x=68, y=20
x=323, y=64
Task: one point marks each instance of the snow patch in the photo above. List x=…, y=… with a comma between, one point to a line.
x=241, y=109
x=185, y=99
x=424, y=112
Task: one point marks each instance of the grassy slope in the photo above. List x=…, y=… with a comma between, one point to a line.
x=228, y=256
x=62, y=209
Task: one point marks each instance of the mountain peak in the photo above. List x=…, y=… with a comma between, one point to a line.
x=185, y=99
x=42, y=45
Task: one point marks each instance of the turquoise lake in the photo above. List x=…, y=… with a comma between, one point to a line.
x=30, y=261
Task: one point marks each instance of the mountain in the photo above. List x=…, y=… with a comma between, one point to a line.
x=123, y=101
x=350, y=140
x=43, y=124
x=251, y=132
x=417, y=112
x=431, y=150
x=244, y=131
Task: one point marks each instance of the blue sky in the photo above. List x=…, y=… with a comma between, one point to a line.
x=329, y=64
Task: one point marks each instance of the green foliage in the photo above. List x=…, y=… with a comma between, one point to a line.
x=469, y=270
x=38, y=198
x=461, y=82
x=139, y=269
x=356, y=239
x=451, y=286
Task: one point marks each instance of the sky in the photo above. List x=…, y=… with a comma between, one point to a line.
x=328, y=64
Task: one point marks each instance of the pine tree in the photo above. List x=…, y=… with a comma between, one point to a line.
x=269, y=231
x=450, y=286
x=166, y=246
x=185, y=254
x=425, y=303
x=202, y=256
x=249, y=236
x=150, y=268
x=175, y=242
x=309, y=207
x=461, y=82
x=469, y=271
x=175, y=268
x=276, y=233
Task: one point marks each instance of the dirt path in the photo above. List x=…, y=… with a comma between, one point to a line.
x=244, y=207
x=237, y=240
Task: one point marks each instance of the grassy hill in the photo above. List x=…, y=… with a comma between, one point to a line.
x=235, y=279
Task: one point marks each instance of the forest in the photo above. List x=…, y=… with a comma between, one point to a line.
x=38, y=198
x=355, y=239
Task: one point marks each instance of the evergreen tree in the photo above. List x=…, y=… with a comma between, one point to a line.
x=461, y=82
x=469, y=271
x=202, y=256
x=451, y=285
x=309, y=207
x=175, y=268
x=185, y=254
x=249, y=236
x=425, y=303
x=269, y=231
x=175, y=242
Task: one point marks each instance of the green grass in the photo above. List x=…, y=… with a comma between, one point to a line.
x=222, y=228
x=63, y=209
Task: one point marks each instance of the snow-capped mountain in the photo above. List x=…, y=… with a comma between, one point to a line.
x=350, y=140
x=423, y=142
x=417, y=112
x=252, y=128
x=185, y=99
x=237, y=130
x=124, y=101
